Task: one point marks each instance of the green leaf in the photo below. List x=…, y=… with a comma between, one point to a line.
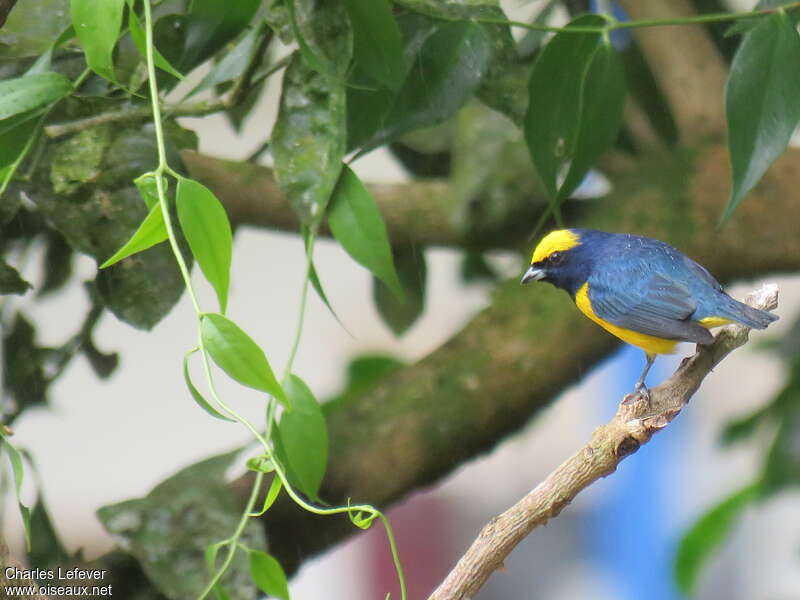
x=152, y=231
x=357, y=224
x=377, y=43
x=148, y=190
x=19, y=473
x=556, y=88
x=313, y=277
x=210, y=25
x=745, y=25
x=323, y=34
x=782, y=464
x=602, y=103
x=14, y=135
x=707, y=534
x=502, y=86
x=304, y=437
x=268, y=575
x=23, y=363
x=169, y=531
x=206, y=227
x=367, y=109
x=57, y=264
x=234, y=63
x=401, y=314
x=363, y=373
x=11, y=282
x=238, y=355
x=211, y=555
x=139, y=38
x=476, y=269
x=43, y=63
x=272, y=494
x=761, y=102
x=308, y=140
x=744, y=427
x=24, y=93
x=446, y=71
x=198, y=397
x=261, y=464
x=452, y=10
x=97, y=26
x=47, y=549
x=30, y=32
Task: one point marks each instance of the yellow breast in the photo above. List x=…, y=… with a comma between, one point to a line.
x=648, y=343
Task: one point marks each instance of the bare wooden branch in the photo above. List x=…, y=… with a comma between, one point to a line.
x=633, y=425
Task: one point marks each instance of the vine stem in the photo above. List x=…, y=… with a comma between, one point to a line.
x=642, y=23
x=161, y=169
x=234, y=539
x=232, y=542
x=162, y=158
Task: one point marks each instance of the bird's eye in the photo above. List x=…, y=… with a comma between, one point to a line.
x=555, y=258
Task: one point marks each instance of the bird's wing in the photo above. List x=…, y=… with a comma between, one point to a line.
x=702, y=272
x=655, y=305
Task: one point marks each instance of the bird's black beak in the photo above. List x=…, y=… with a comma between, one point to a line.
x=533, y=274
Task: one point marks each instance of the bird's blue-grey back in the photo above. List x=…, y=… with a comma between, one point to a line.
x=642, y=279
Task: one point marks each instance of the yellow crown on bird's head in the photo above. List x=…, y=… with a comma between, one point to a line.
x=555, y=241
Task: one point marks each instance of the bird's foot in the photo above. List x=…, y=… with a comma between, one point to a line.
x=640, y=393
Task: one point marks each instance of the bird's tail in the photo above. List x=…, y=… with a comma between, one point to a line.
x=747, y=315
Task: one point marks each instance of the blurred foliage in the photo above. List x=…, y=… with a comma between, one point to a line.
x=169, y=529
x=778, y=420
x=363, y=373
x=400, y=313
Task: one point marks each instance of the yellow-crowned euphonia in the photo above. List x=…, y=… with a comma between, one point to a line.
x=642, y=290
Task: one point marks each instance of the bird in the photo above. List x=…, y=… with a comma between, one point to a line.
x=640, y=289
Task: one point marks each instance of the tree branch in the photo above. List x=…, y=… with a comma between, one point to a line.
x=135, y=114
x=632, y=426
x=415, y=213
x=687, y=66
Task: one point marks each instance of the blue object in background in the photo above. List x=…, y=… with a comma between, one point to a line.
x=632, y=533
x=620, y=38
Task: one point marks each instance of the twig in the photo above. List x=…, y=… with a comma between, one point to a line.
x=243, y=84
x=633, y=425
x=133, y=115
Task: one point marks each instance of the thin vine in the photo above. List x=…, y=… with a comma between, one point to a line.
x=356, y=512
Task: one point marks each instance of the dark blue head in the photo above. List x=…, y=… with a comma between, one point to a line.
x=564, y=258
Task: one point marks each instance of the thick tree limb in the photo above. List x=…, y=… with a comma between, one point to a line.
x=633, y=425
x=687, y=66
x=415, y=213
